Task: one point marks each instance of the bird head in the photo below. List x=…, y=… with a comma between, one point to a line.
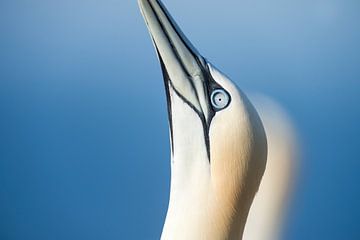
x=218, y=143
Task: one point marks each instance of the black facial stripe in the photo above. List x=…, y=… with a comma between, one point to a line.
x=168, y=99
x=205, y=125
x=213, y=85
x=169, y=40
x=168, y=81
x=179, y=32
x=167, y=78
x=171, y=43
x=201, y=116
x=210, y=83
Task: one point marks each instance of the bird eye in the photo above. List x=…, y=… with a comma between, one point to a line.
x=220, y=99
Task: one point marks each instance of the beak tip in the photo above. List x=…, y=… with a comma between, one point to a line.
x=142, y=5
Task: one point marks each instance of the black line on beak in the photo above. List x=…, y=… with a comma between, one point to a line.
x=209, y=83
x=167, y=80
x=168, y=100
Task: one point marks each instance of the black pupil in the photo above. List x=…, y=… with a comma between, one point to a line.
x=219, y=98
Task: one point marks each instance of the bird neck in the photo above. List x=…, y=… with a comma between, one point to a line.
x=210, y=199
x=201, y=208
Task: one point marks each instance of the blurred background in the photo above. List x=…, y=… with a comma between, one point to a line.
x=84, y=145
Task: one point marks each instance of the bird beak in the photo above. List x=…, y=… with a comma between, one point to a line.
x=185, y=71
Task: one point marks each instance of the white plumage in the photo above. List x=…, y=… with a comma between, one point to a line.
x=218, y=142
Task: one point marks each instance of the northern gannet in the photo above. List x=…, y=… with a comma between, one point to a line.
x=218, y=142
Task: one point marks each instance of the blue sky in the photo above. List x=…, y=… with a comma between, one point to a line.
x=83, y=125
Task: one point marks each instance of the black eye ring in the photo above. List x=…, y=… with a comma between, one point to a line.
x=220, y=99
